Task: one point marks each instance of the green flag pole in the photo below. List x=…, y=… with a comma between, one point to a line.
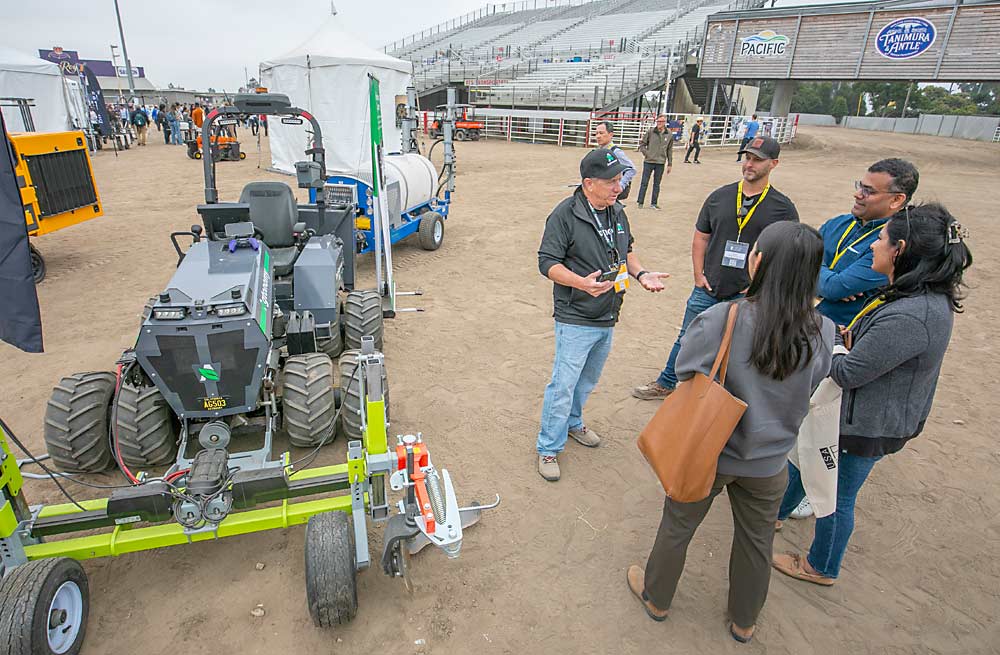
x=383, y=237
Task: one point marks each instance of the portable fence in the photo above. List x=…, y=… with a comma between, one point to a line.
x=577, y=128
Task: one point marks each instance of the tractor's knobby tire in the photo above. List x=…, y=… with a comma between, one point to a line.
x=433, y=133
x=331, y=573
x=308, y=400
x=145, y=425
x=43, y=608
x=350, y=394
x=37, y=264
x=460, y=135
x=76, y=422
x=193, y=154
x=431, y=230
x=333, y=346
x=363, y=318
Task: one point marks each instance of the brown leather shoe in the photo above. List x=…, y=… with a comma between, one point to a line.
x=651, y=391
x=636, y=582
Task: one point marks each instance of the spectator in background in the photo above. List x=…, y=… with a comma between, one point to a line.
x=263, y=122
x=175, y=125
x=163, y=121
x=605, y=134
x=198, y=115
x=140, y=121
x=694, y=142
x=752, y=127
x=254, y=124
x=895, y=347
x=657, y=148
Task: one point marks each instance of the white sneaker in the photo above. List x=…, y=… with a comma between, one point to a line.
x=804, y=510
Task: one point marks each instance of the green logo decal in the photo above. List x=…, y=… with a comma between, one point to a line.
x=611, y=159
x=207, y=372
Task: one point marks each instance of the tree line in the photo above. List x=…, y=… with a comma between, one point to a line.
x=887, y=98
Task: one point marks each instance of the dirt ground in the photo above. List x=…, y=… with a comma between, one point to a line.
x=545, y=572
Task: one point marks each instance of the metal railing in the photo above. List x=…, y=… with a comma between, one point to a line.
x=574, y=128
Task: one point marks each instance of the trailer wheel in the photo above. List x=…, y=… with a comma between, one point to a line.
x=460, y=135
x=350, y=394
x=243, y=156
x=76, y=422
x=44, y=606
x=197, y=154
x=308, y=401
x=331, y=571
x=37, y=264
x=431, y=230
x=363, y=318
x=146, y=433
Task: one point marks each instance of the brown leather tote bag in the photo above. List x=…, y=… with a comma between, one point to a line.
x=683, y=440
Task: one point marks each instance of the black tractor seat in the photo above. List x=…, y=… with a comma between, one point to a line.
x=273, y=212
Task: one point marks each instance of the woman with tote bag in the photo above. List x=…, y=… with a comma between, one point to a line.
x=896, y=346
x=780, y=351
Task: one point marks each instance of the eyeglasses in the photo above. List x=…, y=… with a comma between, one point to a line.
x=867, y=191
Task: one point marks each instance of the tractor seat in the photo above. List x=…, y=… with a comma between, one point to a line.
x=273, y=212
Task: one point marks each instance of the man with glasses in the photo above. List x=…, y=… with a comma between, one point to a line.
x=846, y=279
x=586, y=251
x=728, y=225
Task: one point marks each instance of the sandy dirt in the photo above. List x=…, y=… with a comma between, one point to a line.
x=545, y=573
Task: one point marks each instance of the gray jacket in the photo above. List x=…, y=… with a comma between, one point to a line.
x=658, y=148
x=775, y=409
x=891, y=373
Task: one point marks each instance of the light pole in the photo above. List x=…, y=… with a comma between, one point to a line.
x=114, y=64
x=128, y=64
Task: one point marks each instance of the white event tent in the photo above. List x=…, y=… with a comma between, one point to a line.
x=25, y=76
x=327, y=75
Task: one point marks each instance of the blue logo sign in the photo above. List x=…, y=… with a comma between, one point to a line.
x=905, y=38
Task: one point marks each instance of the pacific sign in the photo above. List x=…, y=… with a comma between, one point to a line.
x=763, y=44
x=905, y=38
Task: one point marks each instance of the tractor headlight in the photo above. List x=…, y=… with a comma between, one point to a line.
x=230, y=310
x=168, y=313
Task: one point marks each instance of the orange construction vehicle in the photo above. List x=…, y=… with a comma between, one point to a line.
x=225, y=143
x=467, y=128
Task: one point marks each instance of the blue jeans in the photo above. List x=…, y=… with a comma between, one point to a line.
x=176, y=138
x=834, y=531
x=580, y=355
x=699, y=301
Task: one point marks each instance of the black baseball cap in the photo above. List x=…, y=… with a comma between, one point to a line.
x=764, y=147
x=602, y=164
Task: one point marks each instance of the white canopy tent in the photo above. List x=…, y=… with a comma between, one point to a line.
x=25, y=76
x=328, y=76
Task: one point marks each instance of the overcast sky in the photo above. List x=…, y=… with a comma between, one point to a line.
x=172, y=47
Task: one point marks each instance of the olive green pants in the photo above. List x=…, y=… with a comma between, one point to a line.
x=755, y=503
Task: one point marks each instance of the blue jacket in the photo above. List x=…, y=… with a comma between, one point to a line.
x=852, y=274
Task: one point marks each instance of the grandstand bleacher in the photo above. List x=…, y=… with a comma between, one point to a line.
x=569, y=54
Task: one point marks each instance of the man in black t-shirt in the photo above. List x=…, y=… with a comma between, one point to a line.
x=729, y=223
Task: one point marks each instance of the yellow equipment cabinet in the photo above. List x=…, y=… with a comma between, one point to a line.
x=57, y=184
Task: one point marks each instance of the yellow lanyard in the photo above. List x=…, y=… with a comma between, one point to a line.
x=739, y=205
x=838, y=253
x=878, y=302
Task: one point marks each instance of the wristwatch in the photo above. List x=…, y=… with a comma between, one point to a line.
x=638, y=276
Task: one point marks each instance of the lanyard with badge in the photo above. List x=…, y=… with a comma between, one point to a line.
x=736, y=252
x=838, y=253
x=875, y=304
x=620, y=276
